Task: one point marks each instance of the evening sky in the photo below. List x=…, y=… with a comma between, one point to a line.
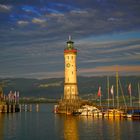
x=33, y=35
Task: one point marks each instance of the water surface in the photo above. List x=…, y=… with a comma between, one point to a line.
x=45, y=125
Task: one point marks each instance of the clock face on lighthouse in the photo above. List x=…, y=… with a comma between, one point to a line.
x=68, y=64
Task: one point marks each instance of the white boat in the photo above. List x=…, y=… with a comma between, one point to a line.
x=134, y=114
x=129, y=115
x=97, y=113
x=87, y=110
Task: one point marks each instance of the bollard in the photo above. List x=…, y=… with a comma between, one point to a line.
x=20, y=107
x=5, y=108
x=37, y=107
x=25, y=108
x=30, y=109
x=9, y=108
x=1, y=106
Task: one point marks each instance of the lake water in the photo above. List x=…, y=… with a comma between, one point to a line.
x=45, y=125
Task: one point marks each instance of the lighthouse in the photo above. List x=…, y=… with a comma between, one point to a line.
x=70, y=73
x=70, y=101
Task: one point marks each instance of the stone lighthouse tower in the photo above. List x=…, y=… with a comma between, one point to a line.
x=70, y=102
x=70, y=82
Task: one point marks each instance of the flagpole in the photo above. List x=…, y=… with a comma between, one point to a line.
x=99, y=94
x=108, y=89
x=122, y=94
x=100, y=101
x=113, y=100
x=112, y=93
x=117, y=90
x=113, y=97
x=139, y=93
x=129, y=89
x=130, y=100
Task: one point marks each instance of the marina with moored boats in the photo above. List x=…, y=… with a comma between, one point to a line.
x=101, y=112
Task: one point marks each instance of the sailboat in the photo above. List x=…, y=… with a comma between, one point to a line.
x=135, y=113
x=117, y=112
x=114, y=113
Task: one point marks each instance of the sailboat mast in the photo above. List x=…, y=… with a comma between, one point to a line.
x=122, y=94
x=117, y=89
x=130, y=97
x=100, y=101
x=139, y=93
x=113, y=98
x=108, y=89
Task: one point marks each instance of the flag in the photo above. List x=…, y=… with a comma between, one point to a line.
x=129, y=88
x=99, y=91
x=15, y=94
x=18, y=94
x=112, y=90
x=10, y=95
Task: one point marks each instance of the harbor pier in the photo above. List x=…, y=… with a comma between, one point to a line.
x=9, y=108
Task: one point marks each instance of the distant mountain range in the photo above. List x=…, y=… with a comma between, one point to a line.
x=53, y=88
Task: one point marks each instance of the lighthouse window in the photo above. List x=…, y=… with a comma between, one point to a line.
x=72, y=72
x=71, y=57
x=68, y=79
x=68, y=57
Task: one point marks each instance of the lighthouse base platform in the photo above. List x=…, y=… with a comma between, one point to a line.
x=67, y=106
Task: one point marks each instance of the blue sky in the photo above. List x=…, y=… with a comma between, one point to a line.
x=33, y=35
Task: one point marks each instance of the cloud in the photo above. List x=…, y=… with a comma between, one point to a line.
x=55, y=16
x=39, y=21
x=43, y=75
x=82, y=12
x=111, y=69
x=22, y=22
x=82, y=19
x=38, y=75
x=126, y=48
x=126, y=57
x=5, y=8
x=89, y=23
x=101, y=52
x=31, y=9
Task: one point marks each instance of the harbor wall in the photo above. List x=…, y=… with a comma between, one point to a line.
x=9, y=108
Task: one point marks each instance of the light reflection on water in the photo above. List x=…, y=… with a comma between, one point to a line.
x=1, y=126
x=44, y=125
x=70, y=128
